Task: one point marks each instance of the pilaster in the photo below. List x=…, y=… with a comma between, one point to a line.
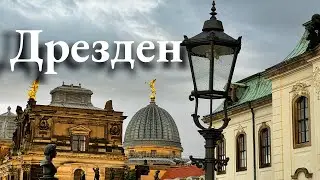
x=277, y=132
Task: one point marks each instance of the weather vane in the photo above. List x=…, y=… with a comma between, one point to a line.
x=153, y=89
x=34, y=88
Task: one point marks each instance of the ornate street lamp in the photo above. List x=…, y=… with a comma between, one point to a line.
x=212, y=57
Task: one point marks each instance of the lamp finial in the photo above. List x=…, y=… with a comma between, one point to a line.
x=213, y=10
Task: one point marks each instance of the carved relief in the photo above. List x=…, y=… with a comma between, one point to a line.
x=80, y=130
x=300, y=89
x=240, y=129
x=316, y=81
x=263, y=126
x=26, y=167
x=43, y=124
x=115, y=130
x=301, y=170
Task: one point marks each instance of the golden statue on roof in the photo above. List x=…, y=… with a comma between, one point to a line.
x=153, y=89
x=33, y=89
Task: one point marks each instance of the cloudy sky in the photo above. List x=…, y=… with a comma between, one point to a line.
x=270, y=30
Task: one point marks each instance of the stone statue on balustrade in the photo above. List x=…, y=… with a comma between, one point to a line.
x=23, y=129
x=314, y=32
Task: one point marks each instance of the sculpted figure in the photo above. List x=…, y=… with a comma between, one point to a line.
x=156, y=175
x=49, y=170
x=153, y=89
x=19, y=130
x=108, y=106
x=314, y=32
x=96, y=173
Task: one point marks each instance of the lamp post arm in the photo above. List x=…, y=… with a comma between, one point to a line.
x=226, y=119
x=195, y=115
x=200, y=163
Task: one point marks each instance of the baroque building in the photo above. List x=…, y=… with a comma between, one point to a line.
x=152, y=135
x=273, y=132
x=86, y=136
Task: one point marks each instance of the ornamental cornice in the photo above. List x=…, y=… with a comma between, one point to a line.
x=291, y=64
x=72, y=155
x=79, y=121
x=39, y=109
x=86, y=156
x=300, y=89
x=266, y=100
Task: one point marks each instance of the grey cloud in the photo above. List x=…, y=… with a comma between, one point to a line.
x=270, y=30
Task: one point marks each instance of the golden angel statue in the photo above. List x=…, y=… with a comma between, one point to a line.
x=153, y=89
x=34, y=88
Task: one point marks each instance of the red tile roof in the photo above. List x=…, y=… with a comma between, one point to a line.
x=182, y=172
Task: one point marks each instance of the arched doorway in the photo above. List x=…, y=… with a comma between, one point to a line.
x=79, y=174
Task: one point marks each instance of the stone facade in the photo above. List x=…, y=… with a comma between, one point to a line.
x=86, y=138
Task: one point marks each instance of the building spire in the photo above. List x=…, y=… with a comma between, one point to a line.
x=153, y=90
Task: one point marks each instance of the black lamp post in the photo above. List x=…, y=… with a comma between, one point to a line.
x=212, y=57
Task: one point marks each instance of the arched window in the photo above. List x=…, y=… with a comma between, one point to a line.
x=301, y=122
x=221, y=155
x=79, y=174
x=265, y=147
x=241, y=152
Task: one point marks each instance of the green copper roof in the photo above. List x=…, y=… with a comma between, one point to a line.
x=300, y=48
x=256, y=87
x=302, y=45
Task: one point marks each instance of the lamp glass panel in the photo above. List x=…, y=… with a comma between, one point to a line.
x=222, y=57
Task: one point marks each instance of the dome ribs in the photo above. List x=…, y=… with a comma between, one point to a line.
x=152, y=125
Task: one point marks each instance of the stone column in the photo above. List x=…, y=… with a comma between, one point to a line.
x=13, y=173
x=25, y=173
x=3, y=173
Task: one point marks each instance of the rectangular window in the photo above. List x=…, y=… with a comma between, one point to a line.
x=302, y=128
x=241, y=153
x=221, y=155
x=143, y=153
x=265, y=148
x=78, y=143
x=153, y=153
